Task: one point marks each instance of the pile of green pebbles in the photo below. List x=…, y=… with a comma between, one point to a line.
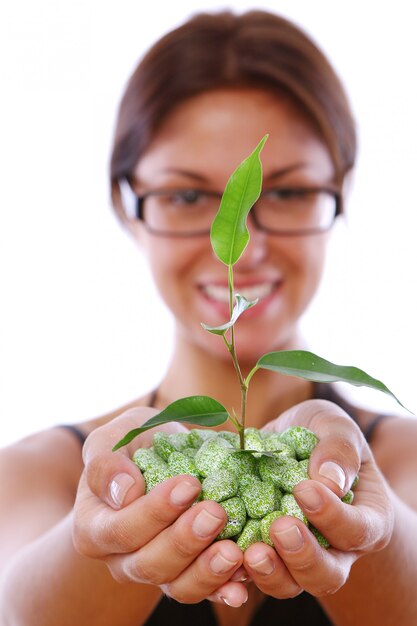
x=253, y=486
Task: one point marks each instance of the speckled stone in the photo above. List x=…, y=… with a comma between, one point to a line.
x=253, y=440
x=348, y=497
x=285, y=472
x=241, y=463
x=289, y=506
x=301, y=439
x=303, y=465
x=210, y=456
x=232, y=438
x=180, y=441
x=266, y=523
x=162, y=445
x=180, y=463
x=155, y=475
x=145, y=458
x=198, y=436
x=250, y=534
x=259, y=498
x=274, y=443
x=322, y=540
x=190, y=452
x=236, y=518
x=220, y=486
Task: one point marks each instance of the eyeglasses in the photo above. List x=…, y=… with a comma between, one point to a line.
x=189, y=212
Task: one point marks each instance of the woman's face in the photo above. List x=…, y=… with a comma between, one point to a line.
x=199, y=145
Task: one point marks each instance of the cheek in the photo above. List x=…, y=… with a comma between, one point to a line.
x=306, y=259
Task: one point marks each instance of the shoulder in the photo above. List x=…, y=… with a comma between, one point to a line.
x=53, y=456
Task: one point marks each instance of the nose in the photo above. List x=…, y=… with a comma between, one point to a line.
x=257, y=248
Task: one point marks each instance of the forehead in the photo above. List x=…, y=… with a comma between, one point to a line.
x=212, y=132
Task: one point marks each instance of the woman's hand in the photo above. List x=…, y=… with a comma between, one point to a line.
x=157, y=538
x=299, y=562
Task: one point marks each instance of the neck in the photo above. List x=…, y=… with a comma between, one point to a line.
x=194, y=371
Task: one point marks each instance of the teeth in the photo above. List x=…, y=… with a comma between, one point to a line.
x=221, y=294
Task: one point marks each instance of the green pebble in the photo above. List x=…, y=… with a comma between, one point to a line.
x=285, y=472
x=355, y=481
x=274, y=443
x=162, y=445
x=190, y=452
x=198, y=436
x=180, y=463
x=232, y=438
x=155, y=475
x=321, y=540
x=236, y=518
x=303, y=465
x=253, y=440
x=220, y=486
x=348, y=497
x=266, y=523
x=145, y=458
x=259, y=498
x=289, y=506
x=210, y=456
x=241, y=463
x=250, y=534
x=301, y=439
x=179, y=440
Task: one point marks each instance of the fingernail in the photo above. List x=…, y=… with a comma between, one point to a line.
x=240, y=575
x=205, y=524
x=184, y=493
x=333, y=471
x=289, y=539
x=119, y=487
x=309, y=498
x=219, y=564
x=233, y=602
x=265, y=566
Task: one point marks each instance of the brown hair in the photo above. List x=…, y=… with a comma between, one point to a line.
x=218, y=50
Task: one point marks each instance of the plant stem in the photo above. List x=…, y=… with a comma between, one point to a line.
x=232, y=349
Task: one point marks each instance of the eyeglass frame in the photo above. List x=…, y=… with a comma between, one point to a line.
x=140, y=200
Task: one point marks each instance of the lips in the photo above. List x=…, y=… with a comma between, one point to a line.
x=220, y=293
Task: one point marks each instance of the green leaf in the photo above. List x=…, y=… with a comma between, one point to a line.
x=200, y=410
x=241, y=305
x=312, y=367
x=229, y=234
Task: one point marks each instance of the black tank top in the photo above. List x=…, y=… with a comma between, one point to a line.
x=304, y=609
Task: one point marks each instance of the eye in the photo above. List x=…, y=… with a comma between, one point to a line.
x=187, y=197
x=285, y=193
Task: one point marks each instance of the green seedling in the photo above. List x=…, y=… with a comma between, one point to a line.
x=250, y=474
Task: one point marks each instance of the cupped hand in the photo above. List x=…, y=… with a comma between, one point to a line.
x=298, y=562
x=156, y=538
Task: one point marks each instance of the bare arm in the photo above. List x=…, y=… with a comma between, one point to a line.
x=44, y=581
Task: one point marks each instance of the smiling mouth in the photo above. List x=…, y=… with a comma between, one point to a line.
x=259, y=291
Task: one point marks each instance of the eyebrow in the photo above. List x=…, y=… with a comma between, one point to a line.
x=277, y=173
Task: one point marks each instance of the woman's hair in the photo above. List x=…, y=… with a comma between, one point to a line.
x=209, y=51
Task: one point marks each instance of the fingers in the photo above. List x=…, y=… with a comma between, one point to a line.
x=100, y=532
x=359, y=528
x=209, y=575
x=336, y=459
x=183, y=541
x=113, y=476
x=299, y=563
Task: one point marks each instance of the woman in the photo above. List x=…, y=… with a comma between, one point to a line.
x=198, y=103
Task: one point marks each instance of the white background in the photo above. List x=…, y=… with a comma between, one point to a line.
x=82, y=330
